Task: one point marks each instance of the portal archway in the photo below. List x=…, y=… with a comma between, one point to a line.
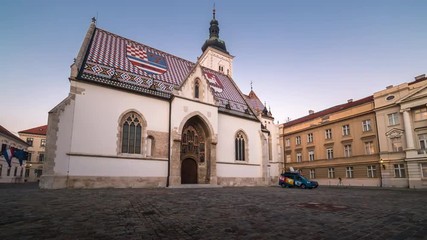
x=195, y=151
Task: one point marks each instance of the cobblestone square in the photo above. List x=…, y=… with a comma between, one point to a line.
x=212, y=213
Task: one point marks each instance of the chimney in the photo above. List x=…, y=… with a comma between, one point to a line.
x=420, y=77
x=389, y=86
x=310, y=112
x=350, y=100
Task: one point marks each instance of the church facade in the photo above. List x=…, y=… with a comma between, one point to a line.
x=139, y=117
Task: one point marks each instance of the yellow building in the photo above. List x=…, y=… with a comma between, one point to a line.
x=401, y=113
x=335, y=146
x=36, y=139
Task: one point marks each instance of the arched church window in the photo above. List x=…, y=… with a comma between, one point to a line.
x=196, y=89
x=131, y=133
x=240, y=146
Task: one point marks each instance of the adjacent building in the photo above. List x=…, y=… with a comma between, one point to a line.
x=12, y=157
x=336, y=146
x=401, y=113
x=36, y=139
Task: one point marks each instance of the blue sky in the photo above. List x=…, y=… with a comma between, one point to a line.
x=300, y=55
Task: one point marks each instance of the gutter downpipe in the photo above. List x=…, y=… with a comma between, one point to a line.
x=169, y=142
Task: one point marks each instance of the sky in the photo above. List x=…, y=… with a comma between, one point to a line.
x=299, y=55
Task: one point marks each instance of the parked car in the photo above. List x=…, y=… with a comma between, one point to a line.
x=295, y=179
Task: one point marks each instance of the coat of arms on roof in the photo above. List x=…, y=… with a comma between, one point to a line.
x=146, y=61
x=214, y=82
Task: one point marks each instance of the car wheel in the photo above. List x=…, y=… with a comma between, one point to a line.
x=302, y=186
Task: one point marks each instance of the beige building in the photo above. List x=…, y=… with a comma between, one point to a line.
x=337, y=143
x=401, y=113
x=11, y=168
x=36, y=139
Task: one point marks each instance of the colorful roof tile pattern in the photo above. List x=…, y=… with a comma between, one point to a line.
x=117, y=61
x=42, y=130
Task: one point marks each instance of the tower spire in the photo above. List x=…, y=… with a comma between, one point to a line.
x=213, y=11
x=214, y=40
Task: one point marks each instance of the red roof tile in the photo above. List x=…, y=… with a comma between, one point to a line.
x=329, y=111
x=254, y=102
x=37, y=130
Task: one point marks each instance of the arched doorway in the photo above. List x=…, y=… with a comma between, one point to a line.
x=188, y=171
x=195, y=162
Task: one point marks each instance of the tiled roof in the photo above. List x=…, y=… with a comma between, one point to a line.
x=225, y=90
x=117, y=61
x=329, y=111
x=254, y=102
x=37, y=130
x=6, y=132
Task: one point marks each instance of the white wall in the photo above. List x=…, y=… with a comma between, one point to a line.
x=97, y=114
x=112, y=167
x=63, y=143
x=229, y=126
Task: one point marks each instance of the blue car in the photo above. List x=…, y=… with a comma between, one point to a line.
x=295, y=179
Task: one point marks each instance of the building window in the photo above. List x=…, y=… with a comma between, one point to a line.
x=30, y=141
x=349, y=172
x=29, y=157
x=366, y=125
x=43, y=143
x=240, y=146
x=41, y=157
x=22, y=172
x=288, y=158
x=131, y=133
x=298, y=140
x=393, y=119
x=311, y=155
x=287, y=142
x=331, y=173
x=310, y=137
x=15, y=172
x=328, y=134
x=221, y=68
x=312, y=173
x=1, y=169
x=347, y=150
x=420, y=114
x=369, y=148
x=8, y=172
x=371, y=171
x=299, y=157
x=346, y=130
x=423, y=143
x=196, y=89
x=399, y=170
x=423, y=169
x=396, y=144
x=329, y=153
x=27, y=172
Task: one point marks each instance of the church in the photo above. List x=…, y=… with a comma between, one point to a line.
x=139, y=117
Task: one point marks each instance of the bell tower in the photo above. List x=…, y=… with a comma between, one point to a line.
x=215, y=55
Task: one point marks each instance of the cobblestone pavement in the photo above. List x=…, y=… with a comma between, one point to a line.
x=212, y=213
